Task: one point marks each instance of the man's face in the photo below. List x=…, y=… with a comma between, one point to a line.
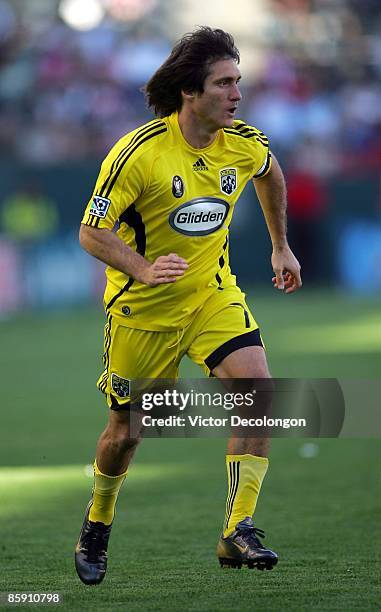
x=217, y=105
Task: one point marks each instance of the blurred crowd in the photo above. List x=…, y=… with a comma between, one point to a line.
x=311, y=81
x=67, y=95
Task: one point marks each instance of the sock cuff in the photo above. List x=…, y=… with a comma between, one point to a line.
x=97, y=472
x=247, y=457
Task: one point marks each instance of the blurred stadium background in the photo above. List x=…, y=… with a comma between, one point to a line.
x=70, y=74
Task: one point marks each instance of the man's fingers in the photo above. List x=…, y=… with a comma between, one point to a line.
x=169, y=262
x=160, y=269
x=170, y=265
x=172, y=257
x=279, y=281
x=174, y=273
x=167, y=269
x=290, y=282
x=165, y=278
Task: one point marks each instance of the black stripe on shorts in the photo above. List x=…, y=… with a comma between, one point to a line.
x=116, y=406
x=252, y=338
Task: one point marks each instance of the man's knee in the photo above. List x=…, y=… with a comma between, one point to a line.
x=121, y=433
x=121, y=440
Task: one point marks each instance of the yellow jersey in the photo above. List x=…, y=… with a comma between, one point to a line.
x=161, y=195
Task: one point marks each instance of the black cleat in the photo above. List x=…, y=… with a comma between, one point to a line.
x=243, y=547
x=91, y=550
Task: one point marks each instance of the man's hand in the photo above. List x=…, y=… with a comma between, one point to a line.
x=287, y=270
x=165, y=269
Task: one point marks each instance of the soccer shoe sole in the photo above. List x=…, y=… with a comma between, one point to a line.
x=254, y=564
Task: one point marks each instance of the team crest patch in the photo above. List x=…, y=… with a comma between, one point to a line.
x=228, y=180
x=99, y=206
x=178, y=186
x=120, y=385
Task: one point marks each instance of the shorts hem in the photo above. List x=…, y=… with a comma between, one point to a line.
x=116, y=406
x=252, y=338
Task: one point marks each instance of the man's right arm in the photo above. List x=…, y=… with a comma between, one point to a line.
x=106, y=246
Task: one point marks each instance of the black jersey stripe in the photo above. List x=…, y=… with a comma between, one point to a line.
x=221, y=263
x=143, y=130
x=249, y=130
x=134, y=219
x=242, y=127
x=250, y=135
x=117, y=295
x=245, y=130
x=235, y=133
x=127, y=155
x=92, y=220
x=263, y=141
x=138, y=136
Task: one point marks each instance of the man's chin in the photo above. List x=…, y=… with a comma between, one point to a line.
x=228, y=122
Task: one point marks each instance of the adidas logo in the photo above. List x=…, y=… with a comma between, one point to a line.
x=200, y=165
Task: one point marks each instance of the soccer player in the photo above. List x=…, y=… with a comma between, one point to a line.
x=159, y=218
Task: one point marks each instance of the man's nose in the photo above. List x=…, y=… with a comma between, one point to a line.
x=235, y=94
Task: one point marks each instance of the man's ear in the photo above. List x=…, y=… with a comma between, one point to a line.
x=188, y=95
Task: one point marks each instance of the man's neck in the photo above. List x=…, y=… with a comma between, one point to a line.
x=197, y=134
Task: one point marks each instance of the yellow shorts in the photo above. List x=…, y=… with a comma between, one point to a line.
x=223, y=325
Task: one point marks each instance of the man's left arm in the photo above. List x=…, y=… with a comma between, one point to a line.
x=272, y=195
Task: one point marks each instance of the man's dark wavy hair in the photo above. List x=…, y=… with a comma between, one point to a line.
x=187, y=68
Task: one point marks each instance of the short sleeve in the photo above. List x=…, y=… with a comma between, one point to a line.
x=262, y=162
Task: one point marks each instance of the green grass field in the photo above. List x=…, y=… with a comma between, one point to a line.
x=321, y=514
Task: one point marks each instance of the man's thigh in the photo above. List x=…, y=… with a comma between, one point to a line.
x=134, y=353
x=224, y=325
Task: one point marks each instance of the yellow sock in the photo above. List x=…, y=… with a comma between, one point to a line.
x=105, y=493
x=245, y=476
